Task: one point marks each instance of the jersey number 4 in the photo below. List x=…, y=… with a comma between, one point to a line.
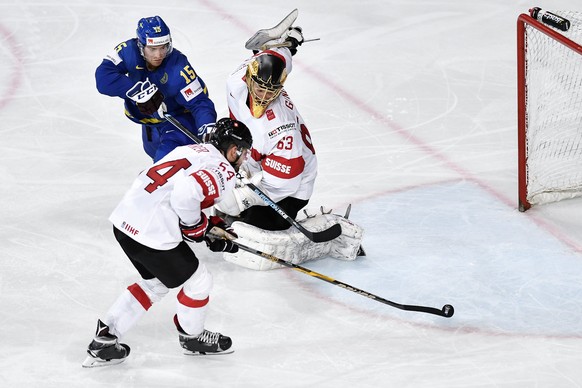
x=172, y=167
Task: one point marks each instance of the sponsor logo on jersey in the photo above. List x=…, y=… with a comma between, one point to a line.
x=283, y=167
x=192, y=90
x=129, y=229
x=164, y=78
x=138, y=67
x=270, y=114
x=115, y=58
x=281, y=129
x=209, y=188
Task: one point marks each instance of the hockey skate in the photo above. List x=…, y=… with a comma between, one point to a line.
x=105, y=349
x=207, y=343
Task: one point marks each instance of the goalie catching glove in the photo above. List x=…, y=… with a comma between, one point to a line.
x=198, y=233
x=147, y=97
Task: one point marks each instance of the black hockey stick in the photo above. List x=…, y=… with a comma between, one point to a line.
x=447, y=311
x=325, y=235
x=182, y=128
x=322, y=236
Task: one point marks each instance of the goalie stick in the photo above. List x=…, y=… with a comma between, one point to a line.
x=317, y=237
x=447, y=311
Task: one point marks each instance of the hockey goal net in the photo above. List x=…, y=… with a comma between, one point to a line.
x=549, y=110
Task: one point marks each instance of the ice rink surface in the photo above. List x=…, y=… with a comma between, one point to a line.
x=412, y=109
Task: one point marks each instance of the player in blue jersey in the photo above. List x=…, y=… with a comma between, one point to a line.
x=153, y=78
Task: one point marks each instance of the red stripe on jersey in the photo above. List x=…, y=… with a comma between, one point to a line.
x=139, y=294
x=282, y=167
x=256, y=155
x=189, y=302
x=209, y=187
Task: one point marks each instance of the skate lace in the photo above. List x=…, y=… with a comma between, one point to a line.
x=209, y=337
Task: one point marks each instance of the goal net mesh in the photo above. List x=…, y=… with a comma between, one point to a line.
x=553, y=114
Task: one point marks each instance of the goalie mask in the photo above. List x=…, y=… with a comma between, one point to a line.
x=265, y=77
x=229, y=132
x=152, y=31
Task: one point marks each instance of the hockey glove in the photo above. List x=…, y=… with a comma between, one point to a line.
x=294, y=35
x=147, y=97
x=220, y=245
x=217, y=244
x=196, y=232
x=205, y=131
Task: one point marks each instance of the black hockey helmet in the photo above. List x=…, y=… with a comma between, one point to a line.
x=266, y=74
x=228, y=132
x=268, y=70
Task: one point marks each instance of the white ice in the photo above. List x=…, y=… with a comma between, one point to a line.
x=412, y=109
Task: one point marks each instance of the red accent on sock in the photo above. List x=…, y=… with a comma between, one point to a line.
x=139, y=294
x=189, y=302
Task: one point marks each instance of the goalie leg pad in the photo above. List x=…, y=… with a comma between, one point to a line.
x=293, y=246
x=346, y=245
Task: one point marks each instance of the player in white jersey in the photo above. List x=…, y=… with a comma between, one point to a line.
x=160, y=212
x=283, y=164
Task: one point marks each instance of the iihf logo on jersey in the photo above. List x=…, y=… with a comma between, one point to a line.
x=130, y=229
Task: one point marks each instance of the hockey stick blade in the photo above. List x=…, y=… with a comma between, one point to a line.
x=325, y=235
x=264, y=35
x=317, y=237
x=447, y=311
x=202, y=354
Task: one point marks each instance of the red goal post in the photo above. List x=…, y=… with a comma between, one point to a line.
x=549, y=99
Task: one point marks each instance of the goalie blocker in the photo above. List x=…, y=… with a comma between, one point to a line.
x=294, y=246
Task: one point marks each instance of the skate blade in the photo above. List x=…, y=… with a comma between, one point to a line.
x=92, y=362
x=190, y=353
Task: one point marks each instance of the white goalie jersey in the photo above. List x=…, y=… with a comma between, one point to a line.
x=177, y=187
x=282, y=147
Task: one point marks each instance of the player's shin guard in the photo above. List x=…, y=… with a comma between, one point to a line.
x=132, y=304
x=191, y=313
x=193, y=299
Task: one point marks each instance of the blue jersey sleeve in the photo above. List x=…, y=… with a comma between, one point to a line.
x=114, y=76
